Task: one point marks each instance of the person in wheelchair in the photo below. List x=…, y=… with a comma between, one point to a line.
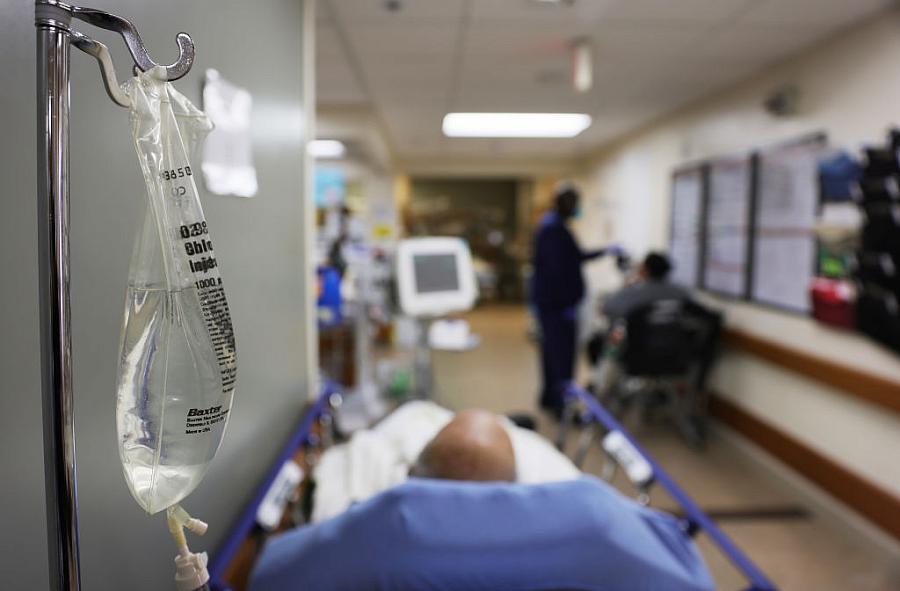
x=648, y=284
x=658, y=349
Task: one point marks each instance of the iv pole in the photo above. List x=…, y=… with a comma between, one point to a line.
x=54, y=37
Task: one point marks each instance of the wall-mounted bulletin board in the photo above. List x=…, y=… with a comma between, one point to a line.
x=727, y=226
x=783, y=244
x=742, y=226
x=686, y=231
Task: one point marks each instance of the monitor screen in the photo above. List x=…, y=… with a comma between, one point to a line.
x=435, y=273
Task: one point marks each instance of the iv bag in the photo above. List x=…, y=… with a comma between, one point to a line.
x=177, y=362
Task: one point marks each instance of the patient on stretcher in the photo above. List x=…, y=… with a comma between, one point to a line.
x=464, y=522
x=377, y=459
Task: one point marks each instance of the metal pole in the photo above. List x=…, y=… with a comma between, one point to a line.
x=423, y=363
x=52, y=24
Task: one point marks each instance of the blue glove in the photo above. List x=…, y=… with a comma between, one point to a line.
x=615, y=250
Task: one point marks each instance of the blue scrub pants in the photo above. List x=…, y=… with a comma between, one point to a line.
x=558, y=336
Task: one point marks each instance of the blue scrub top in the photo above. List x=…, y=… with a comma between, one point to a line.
x=557, y=282
x=461, y=536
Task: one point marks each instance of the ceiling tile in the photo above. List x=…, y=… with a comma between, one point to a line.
x=418, y=119
x=525, y=11
x=522, y=102
x=650, y=57
x=372, y=11
x=759, y=44
x=628, y=41
x=692, y=11
x=609, y=124
x=397, y=39
x=524, y=42
x=501, y=72
x=411, y=80
x=830, y=13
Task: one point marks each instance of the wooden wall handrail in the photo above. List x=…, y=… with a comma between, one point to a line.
x=874, y=389
x=878, y=505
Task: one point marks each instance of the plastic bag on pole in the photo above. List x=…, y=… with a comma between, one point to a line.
x=177, y=362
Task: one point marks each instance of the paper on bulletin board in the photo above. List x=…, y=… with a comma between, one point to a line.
x=382, y=231
x=787, y=201
x=228, y=152
x=685, y=240
x=329, y=187
x=727, y=226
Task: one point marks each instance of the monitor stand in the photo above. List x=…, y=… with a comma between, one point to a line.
x=423, y=370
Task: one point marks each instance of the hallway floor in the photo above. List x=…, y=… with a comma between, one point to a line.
x=811, y=548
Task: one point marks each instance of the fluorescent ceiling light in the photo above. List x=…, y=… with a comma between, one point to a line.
x=515, y=125
x=327, y=149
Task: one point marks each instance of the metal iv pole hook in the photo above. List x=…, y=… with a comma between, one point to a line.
x=133, y=41
x=101, y=53
x=129, y=33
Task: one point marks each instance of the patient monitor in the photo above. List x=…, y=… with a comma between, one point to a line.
x=435, y=277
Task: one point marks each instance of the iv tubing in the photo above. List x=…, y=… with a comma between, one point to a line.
x=191, y=573
x=179, y=520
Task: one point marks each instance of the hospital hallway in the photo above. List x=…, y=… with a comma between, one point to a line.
x=803, y=541
x=261, y=258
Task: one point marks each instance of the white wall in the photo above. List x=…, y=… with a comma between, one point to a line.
x=850, y=89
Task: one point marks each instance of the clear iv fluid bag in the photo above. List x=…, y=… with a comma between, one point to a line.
x=177, y=361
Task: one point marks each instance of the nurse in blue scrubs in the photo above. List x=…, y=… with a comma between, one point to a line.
x=557, y=289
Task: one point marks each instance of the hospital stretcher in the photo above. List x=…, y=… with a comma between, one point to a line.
x=316, y=426
x=644, y=472
x=226, y=571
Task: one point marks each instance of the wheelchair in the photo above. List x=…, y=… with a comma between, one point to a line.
x=656, y=360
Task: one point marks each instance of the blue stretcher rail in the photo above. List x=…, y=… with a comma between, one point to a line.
x=229, y=547
x=695, y=516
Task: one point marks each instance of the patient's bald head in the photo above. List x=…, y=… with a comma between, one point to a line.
x=473, y=446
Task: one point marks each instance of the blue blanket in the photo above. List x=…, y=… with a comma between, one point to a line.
x=460, y=536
